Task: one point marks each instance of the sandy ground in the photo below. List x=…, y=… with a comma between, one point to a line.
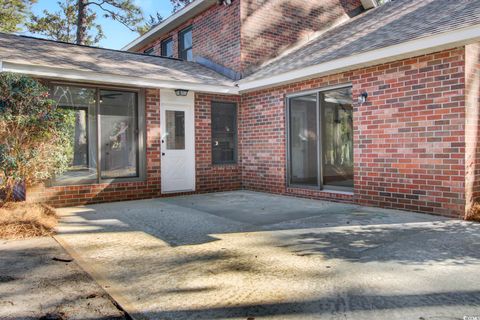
x=35, y=286
x=244, y=255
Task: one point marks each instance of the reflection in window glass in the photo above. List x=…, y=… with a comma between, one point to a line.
x=78, y=107
x=175, y=129
x=186, y=44
x=303, y=140
x=337, y=144
x=224, y=132
x=167, y=48
x=118, y=127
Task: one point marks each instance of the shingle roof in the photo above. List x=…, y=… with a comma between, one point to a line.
x=34, y=51
x=393, y=23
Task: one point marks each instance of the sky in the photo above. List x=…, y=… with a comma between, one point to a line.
x=116, y=35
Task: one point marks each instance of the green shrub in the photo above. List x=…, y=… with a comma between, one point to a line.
x=33, y=137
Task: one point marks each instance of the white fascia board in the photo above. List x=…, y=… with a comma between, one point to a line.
x=175, y=19
x=404, y=50
x=101, y=78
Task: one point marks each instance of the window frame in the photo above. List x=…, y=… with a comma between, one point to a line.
x=320, y=185
x=235, y=136
x=141, y=136
x=163, y=47
x=149, y=51
x=181, y=49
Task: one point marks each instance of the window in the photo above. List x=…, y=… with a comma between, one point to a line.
x=118, y=134
x=185, y=44
x=167, y=48
x=224, y=132
x=175, y=128
x=149, y=50
x=320, y=136
x=103, y=130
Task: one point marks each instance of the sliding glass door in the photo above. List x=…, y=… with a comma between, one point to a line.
x=320, y=139
x=103, y=130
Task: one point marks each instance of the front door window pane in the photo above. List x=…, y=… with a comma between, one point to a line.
x=303, y=140
x=119, y=134
x=78, y=107
x=175, y=129
x=337, y=144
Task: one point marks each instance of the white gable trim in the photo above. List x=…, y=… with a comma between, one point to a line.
x=102, y=78
x=404, y=50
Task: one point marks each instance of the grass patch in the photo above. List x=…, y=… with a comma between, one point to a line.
x=20, y=220
x=474, y=213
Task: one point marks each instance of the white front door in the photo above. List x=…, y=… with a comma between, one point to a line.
x=177, y=142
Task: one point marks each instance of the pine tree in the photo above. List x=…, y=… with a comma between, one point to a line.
x=13, y=14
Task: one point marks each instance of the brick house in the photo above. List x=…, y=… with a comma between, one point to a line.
x=339, y=100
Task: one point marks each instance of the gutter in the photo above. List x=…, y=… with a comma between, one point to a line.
x=112, y=79
x=420, y=46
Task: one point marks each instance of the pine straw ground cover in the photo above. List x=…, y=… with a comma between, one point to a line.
x=474, y=213
x=19, y=220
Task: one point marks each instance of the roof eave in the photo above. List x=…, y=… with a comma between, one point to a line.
x=170, y=23
x=443, y=41
x=47, y=72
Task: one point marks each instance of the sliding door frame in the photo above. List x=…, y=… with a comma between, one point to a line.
x=319, y=111
x=141, y=154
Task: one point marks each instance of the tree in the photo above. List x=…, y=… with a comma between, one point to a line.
x=178, y=4
x=150, y=23
x=123, y=11
x=62, y=25
x=76, y=20
x=13, y=14
x=32, y=133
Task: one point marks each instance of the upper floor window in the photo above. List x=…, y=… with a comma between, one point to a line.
x=185, y=44
x=167, y=48
x=149, y=50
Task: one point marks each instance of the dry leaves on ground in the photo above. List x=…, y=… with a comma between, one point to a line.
x=474, y=212
x=19, y=220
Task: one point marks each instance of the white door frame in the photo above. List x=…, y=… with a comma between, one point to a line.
x=183, y=161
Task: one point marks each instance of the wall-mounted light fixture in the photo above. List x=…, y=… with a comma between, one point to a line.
x=181, y=92
x=225, y=2
x=362, y=98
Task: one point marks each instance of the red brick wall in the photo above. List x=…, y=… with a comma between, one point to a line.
x=248, y=32
x=269, y=27
x=216, y=35
x=209, y=177
x=212, y=177
x=82, y=194
x=472, y=124
x=409, y=147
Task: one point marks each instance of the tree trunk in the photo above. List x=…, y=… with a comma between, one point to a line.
x=82, y=21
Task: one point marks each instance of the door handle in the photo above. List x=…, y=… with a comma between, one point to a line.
x=163, y=153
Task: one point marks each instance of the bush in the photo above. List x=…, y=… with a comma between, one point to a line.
x=32, y=133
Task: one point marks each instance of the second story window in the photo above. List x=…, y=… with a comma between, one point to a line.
x=185, y=44
x=149, y=50
x=167, y=48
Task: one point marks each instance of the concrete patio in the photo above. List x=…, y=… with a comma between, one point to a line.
x=239, y=255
